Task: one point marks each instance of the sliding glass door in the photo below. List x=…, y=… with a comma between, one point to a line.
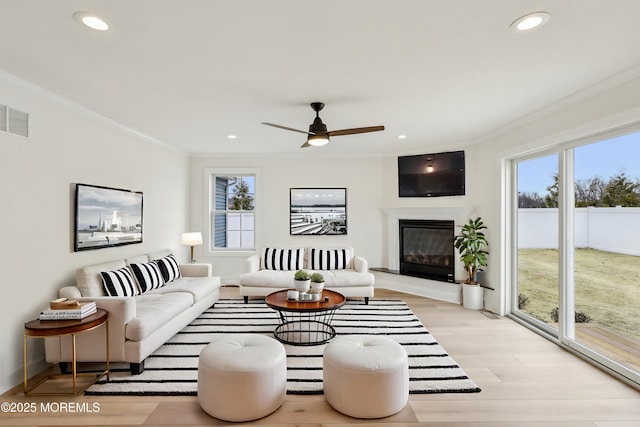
x=537, y=239
x=576, y=248
x=606, y=249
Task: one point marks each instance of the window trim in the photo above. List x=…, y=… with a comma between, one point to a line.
x=209, y=185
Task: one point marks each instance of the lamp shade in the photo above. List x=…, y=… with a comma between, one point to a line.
x=192, y=239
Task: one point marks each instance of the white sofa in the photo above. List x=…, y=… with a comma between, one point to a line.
x=138, y=324
x=273, y=268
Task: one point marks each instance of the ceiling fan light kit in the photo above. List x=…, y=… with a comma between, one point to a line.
x=318, y=140
x=318, y=135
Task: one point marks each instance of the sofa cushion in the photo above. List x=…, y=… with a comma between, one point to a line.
x=198, y=287
x=268, y=279
x=159, y=254
x=119, y=283
x=282, y=258
x=346, y=278
x=153, y=310
x=89, y=280
x=148, y=276
x=330, y=259
x=138, y=259
x=169, y=268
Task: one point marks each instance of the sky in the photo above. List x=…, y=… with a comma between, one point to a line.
x=604, y=159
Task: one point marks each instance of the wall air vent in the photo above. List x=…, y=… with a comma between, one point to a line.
x=14, y=121
x=3, y=118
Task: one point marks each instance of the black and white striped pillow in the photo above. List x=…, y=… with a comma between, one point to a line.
x=119, y=283
x=330, y=259
x=148, y=276
x=169, y=268
x=282, y=259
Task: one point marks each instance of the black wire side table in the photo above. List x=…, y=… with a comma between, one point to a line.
x=305, y=322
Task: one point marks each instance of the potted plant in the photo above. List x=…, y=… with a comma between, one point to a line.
x=317, y=282
x=302, y=280
x=471, y=244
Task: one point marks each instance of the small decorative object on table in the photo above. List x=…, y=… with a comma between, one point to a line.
x=302, y=281
x=64, y=309
x=317, y=283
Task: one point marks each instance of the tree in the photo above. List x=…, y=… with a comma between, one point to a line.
x=621, y=191
x=589, y=192
x=531, y=200
x=551, y=199
x=241, y=199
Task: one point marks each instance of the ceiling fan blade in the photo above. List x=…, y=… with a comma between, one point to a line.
x=286, y=128
x=305, y=145
x=355, y=130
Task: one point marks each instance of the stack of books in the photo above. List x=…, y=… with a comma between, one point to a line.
x=63, y=309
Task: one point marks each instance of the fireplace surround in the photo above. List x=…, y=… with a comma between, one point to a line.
x=426, y=249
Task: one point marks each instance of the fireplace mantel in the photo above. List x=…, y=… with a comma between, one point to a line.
x=425, y=287
x=459, y=215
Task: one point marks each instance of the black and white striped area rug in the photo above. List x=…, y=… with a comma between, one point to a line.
x=172, y=369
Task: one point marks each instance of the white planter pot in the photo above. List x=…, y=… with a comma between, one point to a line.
x=302, y=285
x=472, y=297
x=317, y=286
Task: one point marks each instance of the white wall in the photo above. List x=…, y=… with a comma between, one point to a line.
x=361, y=176
x=69, y=145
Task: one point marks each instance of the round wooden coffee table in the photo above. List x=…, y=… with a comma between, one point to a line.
x=305, y=322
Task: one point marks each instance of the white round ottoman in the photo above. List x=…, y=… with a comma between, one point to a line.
x=366, y=376
x=242, y=377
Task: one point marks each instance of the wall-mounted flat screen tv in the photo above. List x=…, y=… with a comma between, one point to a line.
x=431, y=175
x=106, y=217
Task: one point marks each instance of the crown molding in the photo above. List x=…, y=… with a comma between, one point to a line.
x=87, y=112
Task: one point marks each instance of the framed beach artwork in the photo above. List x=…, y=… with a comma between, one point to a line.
x=106, y=217
x=318, y=211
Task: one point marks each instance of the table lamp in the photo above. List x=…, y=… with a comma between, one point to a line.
x=192, y=239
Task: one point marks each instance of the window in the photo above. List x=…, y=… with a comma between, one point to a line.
x=575, y=247
x=232, y=210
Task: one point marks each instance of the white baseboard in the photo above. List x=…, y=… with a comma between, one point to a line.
x=17, y=377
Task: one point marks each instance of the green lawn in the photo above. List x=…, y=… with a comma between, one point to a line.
x=607, y=286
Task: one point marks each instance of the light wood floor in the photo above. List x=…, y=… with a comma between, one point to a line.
x=525, y=380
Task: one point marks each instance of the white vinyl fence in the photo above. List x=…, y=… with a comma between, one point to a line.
x=606, y=229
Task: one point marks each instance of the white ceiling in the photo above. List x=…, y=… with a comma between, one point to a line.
x=190, y=72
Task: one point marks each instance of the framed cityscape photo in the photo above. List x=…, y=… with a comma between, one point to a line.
x=106, y=217
x=318, y=211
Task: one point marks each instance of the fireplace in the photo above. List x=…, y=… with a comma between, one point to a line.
x=426, y=249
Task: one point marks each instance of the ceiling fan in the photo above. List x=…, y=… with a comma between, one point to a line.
x=318, y=134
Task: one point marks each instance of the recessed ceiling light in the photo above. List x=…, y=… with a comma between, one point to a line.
x=231, y=136
x=402, y=136
x=530, y=21
x=92, y=21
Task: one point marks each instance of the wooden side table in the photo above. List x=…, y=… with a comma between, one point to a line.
x=58, y=328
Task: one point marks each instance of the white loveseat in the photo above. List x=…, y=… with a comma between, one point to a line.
x=273, y=269
x=138, y=324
